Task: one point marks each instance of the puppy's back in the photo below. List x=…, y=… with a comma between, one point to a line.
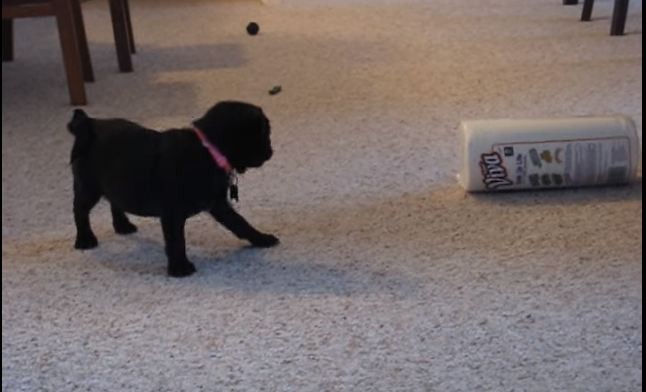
x=117, y=157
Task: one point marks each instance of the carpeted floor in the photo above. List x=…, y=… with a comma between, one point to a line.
x=389, y=277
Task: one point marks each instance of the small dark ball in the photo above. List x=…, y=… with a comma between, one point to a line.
x=253, y=28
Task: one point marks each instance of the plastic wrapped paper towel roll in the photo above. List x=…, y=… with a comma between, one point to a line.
x=501, y=155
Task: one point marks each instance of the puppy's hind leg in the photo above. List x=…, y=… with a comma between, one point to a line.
x=84, y=200
x=173, y=228
x=120, y=221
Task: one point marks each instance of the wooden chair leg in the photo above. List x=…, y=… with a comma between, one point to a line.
x=586, y=14
x=71, y=54
x=88, y=72
x=131, y=36
x=619, y=15
x=119, y=28
x=7, y=39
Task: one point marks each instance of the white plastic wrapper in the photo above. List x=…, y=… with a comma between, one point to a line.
x=500, y=155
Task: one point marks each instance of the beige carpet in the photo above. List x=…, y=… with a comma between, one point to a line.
x=389, y=277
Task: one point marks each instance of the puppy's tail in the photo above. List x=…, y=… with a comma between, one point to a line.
x=81, y=127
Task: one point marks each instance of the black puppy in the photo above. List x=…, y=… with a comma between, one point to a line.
x=172, y=175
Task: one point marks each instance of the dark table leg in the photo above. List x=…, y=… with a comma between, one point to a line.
x=7, y=39
x=119, y=27
x=586, y=15
x=619, y=17
x=71, y=54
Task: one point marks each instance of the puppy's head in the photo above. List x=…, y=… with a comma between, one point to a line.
x=241, y=131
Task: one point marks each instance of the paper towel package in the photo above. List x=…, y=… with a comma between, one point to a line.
x=501, y=155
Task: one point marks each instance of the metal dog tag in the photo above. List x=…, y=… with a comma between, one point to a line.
x=233, y=192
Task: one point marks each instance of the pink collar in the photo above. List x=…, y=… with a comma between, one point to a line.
x=218, y=157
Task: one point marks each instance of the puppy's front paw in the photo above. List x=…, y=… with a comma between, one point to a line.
x=265, y=241
x=125, y=228
x=86, y=241
x=181, y=270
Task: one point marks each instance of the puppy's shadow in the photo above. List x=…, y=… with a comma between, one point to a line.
x=243, y=268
